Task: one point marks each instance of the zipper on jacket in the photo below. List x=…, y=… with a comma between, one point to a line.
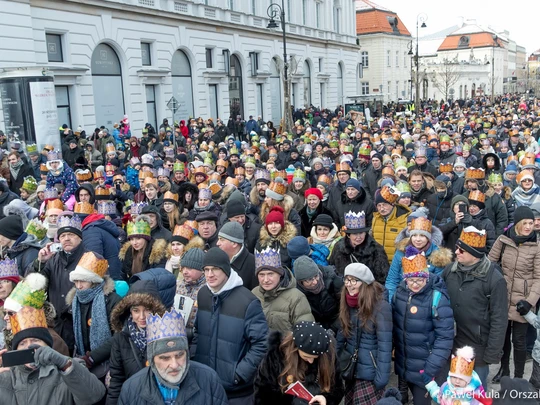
x=373, y=360
x=405, y=333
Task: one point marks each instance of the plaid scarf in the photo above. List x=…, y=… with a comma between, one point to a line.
x=137, y=336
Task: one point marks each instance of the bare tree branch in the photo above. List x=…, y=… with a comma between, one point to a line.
x=445, y=76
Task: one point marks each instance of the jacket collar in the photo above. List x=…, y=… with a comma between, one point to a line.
x=150, y=391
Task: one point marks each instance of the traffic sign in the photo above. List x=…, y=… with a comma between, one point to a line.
x=173, y=105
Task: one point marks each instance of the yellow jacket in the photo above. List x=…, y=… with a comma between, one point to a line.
x=385, y=230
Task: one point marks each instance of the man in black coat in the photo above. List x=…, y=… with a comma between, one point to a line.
x=422, y=164
x=343, y=173
x=419, y=190
x=439, y=203
x=236, y=212
x=479, y=299
x=354, y=199
x=373, y=174
x=18, y=170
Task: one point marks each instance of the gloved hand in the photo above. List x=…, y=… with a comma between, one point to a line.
x=88, y=360
x=46, y=355
x=426, y=377
x=523, y=307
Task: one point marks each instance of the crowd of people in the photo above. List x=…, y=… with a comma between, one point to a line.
x=215, y=263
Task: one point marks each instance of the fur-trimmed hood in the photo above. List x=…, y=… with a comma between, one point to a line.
x=108, y=288
x=157, y=253
x=440, y=257
x=254, y=197
x=225, y=194
x=436, y=237
x=195, y=242
x=120, y=312
x=22, y=210
x=287, y=204
x=283, y=238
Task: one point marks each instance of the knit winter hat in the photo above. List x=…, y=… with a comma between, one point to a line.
x=298, y=246
x=193, y=259
x=324, y=220
x=354, y=184
x=313, y=191
x=311, y=338
x=459, y=198
x=233, y=232
x=217, y=258
x=522, y=213
x=305, y=268
x=11, y=227
x=359, y=271
x=275, y=215
x=235, y=208
x=392, y=396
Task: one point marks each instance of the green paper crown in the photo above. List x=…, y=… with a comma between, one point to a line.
x=333, y=144
x=348, y=149
x=37, y=229
x=179, y=167
x=138, y=228
x=32, y=148
x=403, y=187
x=28, y=293
x=495, y=178
x=299, y=174
x=30, y=184
x=208, y=161
x=343, y=135
x=251, y=159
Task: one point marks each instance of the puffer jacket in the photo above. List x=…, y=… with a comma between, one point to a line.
x=164, y=281
x=438, y=258
x=385, y=230
x=521, y=268
x=285, y=305
x=67, y=178
x=374, y=344
x=422, y=341
x=25, y=250
x=362, y=202
x=279, y=243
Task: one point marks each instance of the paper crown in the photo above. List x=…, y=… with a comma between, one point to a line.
x=55, y=204
x=420, y=151
x=473, y=237
x=233, y=151
x=110, y=148
x=355, y=220
x=240, y=170
x=136, y=208
x=323, y=178
x=172, y=197
x=333, y=144
x=205, y=193
x=262, y=175
x=101, y=192
x=477, y=195
x=403, y=187
x=525, y=174
x=162, y=171
x=347, y=149
x=214, y=188
x=8, y=268
x=208, y=161
x=343, y=167
x=170, y=325
x=278, y=173
x=193, y=225
x=445, y=139
x=83, y=175
x=150, y=181
x=277, y=187
x=83, y=207
x=400, y=164
x=143, y=175
x=462, y=365
x=50, y=193
x=109, y=167
x=388, y=171
x=99, y=174
x=169, y=152
x=31, y=148
x=30, y=184
x=179, y=167
x=184, y=231
x=134, y=161
x=420, y=226
x=222, y=162
x=30, y=292
x=138, y=228
x=446, y=168
x=250, y=160
x=415, y=266
x=267, y=258
x=473, y=173
x=460, y=161
x=390, y=194
x=43, y=168
x=53, y=155
x=147, y=159
x=299, y=175
x=90, y=262
x=364, y=151
x=233, y=181
x=36, y=228
x=106, y=207
x=527, y=162
x=70, y=221
x=495, y=178
x=200, y=171
x=215, y=177
x=26, y=318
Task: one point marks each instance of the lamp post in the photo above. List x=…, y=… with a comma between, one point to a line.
x=410, y=53
x=420, y=18
x=493, y=69
x=276, y=11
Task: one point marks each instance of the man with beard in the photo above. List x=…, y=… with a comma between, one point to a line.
x=258, y=193
x=172, y=377
x=421, y=162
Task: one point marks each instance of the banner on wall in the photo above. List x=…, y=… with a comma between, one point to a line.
x=10, y=92
x=45, y=113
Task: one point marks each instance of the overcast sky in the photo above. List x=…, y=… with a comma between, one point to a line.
x=520, y=18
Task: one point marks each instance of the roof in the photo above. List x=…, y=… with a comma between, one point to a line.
x=373, y=20
x=363, y=5
x=468, y=41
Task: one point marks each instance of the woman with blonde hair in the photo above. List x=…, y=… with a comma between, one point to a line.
x=170, y=211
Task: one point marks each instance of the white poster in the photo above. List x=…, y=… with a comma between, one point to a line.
x=184, y=305
x=43, y=98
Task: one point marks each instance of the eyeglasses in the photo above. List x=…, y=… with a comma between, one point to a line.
x=351, y=281
x=460, y=250
x=415, y=281
x=310, y=280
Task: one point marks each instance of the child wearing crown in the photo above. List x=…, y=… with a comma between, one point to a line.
x=463, y=385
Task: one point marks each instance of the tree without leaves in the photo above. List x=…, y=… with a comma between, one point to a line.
x=446, y=76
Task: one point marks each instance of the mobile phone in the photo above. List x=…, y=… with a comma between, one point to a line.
x=462, y=208
x=18, y=357
x=55, y=247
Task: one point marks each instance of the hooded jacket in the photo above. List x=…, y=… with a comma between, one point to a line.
x=362, y=202
x=93, y=156
x=88, y=187
x=25, y=250
x=159, y=232
x=164, y=281
x=386, y=229
x=155, y=255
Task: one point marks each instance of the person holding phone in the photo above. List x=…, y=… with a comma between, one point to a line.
x=38, y=374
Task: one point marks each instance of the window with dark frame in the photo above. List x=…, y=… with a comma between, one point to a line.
x=209, y=64
x=145, y=54
x=54, y=48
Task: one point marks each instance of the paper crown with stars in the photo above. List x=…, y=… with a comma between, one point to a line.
x=170, y=325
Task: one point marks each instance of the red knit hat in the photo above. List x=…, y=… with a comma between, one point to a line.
x=313, y=191
x=275, y=215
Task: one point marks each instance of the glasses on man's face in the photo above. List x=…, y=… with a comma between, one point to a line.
x=310, y=280
x=459, y=250
x=351, y=281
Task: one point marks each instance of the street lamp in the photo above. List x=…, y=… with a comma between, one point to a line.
x=493, y=68
x=276, y=11
x=410, y=53
x=420, y=18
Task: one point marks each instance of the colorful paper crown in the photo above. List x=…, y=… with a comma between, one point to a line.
x=200, y=171
x=323, y=178
x=170, y=325
x=473, y=173
x=36, y=228
x=215, y=177
x=109, y=167
x=262, y=175
x=99, y=174
x=445, y=139
x=179, y=167
x=388, y=171
x=240, y=170
x=205, y=193
x=138, y=228
x=8, y=268
x=347, y=149
x=525, y=174
x=147, y=159
x=527, y=162
x=134, y=161
x=279, y=173
x=299, y=175
x=233, y=151
x=172, y=197
x=477, y=195
x=43, y=168
x=83, y=175
x=403, y=187
x=343, y=167
x=277, y=187
x=30, y=184
x=495, y=178
x=184, y=231
x=83, y=207
x=55, y=204
x=26, y=318
x=29, y=292
x=446, y=168
x=136, y=208
x=208, y=161
x=250, y=161
x=233, y=181
x=101, y=192
x=420, y=151
x=169, y=152
x=333, y=144
x=110, y=148
x=70, y=221
x=31, y=148
x=473, y=237
x=390, y=194
x=222, y=162
x=50, y=193
x=162, y=171
x=462, y=365
x=400, y=164
x=193, y=225
x=90, y=262
x=106, y=207
x=267, y=258
x=150, y=181
x=415, y=266
x=54, y=155
x=355, y=221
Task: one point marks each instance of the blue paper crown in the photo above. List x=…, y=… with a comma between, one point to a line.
x=171, y=325
x=267, y=258
x=205, y=193
x=54, y=155
x=106, y=207
x=355, y=220
x=136, y=208
x=50, y=193
x=69, y=221
x=262, y=174
x=9, y=268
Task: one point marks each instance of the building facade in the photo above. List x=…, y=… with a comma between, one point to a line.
x=112, y=58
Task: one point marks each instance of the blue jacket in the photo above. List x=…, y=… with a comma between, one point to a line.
x=200, y=387
x=438, y=259
x=67, y=178
x=421, y=341
x=164, y=281
x=375, y=346
x=101, y=236
x=231, y=335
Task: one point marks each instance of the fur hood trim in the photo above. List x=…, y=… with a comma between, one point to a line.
x=436, y=237
x=120, y=312
x=283, y=238
x=254, y=196
x=107, y=289
x=158, y=252
x=195, y=242
x=438, y=258
x=50, y=313
x=287, y=204
x=225, y=194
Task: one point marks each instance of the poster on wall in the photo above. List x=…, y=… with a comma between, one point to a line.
x=10, y=92
x=43, y=99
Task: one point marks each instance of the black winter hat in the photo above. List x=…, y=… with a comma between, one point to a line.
x=324, y=220
x=522, y=213
x=150, y=209
x=311, y=338
x=235, y=208
x=217, y=258
x=37, y=333
x=11, y=227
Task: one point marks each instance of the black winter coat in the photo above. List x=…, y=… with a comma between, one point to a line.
x=16, y=183
x=426, y=168
x=371, y=178
x=421, y=197
x=439, y=209
x=452, y=231
x=244, y=265
x=307, y=222
x=495, y=210
x=485, y=223
x=362, y=202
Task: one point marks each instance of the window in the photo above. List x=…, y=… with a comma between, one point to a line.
x=397, y=58
x=214, y=108
x=145, y=54
x=231, y=5
x=365, y=88
x=254, y=59
x=254, y=7
x=388, y=84
x=322, y=94
x=62, y=105
x=404, y=91
x=388, y=61
x=54, y=47
x=397, y=89
x=288, y=10
x=209, y=64
x=321, y=65
x=364, y=59
x=151, y=104
x=337, y=18
x=304, y=11
x=318, y=14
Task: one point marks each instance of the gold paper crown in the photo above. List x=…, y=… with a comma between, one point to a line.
x=473, y=237
x=526, y=173
x=420, y=224
x=343, y=167
x=184, y=231
x=473, y=173
x=102, y=191
x=110, y=148
x=170, y=196
x=150, y=181
x=192, y=224
x=446, y=168
x=390, y=194
x=477, y=195
x=83, y=175
x=83, y=207
x=56, y=203
x=90, y=262
x=388, y=171
x=232, y=181
x=240, y=170
x=43, y=168
x=201, y=170
x=145, y=175
x=277, y=187
x=214, y=188
x=414, y=265
x=461, y=366
x=202, y=185
x=98, y=174
x=216, y=177
x=26, y=318
x=323, y=178
x=526, y=161
x=222, y=162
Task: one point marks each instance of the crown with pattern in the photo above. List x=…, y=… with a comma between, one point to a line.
x=193, y=225
x=232, y=181
x=36, y=228
x=222, y=162
x=50, y=193
x=233, y=151
x=388, y=171
x=31, y=148
x=71, y=221
x=147, y=159
x=355, y=222
x=420, y=151
x=473, y=237
x=267, y=258
x=143, y=175
x=251, y=161
x=31, y=291
x=90, y=262
x=55, y=204
x=446, y=168
x=299, y=175
x=347, y=149
x=9, y=268
x=102, y=193
x=109, y=167
x=324, y=178
x=421, y=226
x=106, y=207
x=99, y=174
x=83, y=207
x=54, y=155
x=414, y=265
x=171, y=197
x=205, y=194
x=30, y=184
x=474, y=173
x=445, y=139
x=202, y=185
x=477, y=195
x=214, y=188
x=83, y=175
x=278, y=173
x=333, y=144
x=179, y=167
x=400, y=164
x=200, y=171
x=134, y=161
x=169, y=152
x=150, y=181
x=215, y=177
x=208, y=161
x=136, y=208
x=403, y=187
x=184, y=231
x=110, y=148
x=240, y=170
x=390, y=194
x=170, y=325
x=277, y=187
x=262, y=175
x=26, y=318
x=462, y=364
x=162, y=171
x=343, y=167
x=495, y=178
x=527, y=162
x=140, y=228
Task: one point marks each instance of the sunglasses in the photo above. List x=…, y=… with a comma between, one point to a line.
x=460, y=250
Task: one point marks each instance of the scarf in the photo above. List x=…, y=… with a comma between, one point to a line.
x=137, y=336
x=316, y=289
x=352, y=300
x=520, y=239
x=99, y=329
x=417, y=193
x=15, y=168
x=168, y=394
x=479, y=269
x=527, y=198
x=310, y=213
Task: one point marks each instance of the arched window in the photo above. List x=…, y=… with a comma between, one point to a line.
x=275, y=90
x=107, y=86
x=182, y=85
x=339, y=84
x=236, y=100
x=473, y=90
x=307, y=84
